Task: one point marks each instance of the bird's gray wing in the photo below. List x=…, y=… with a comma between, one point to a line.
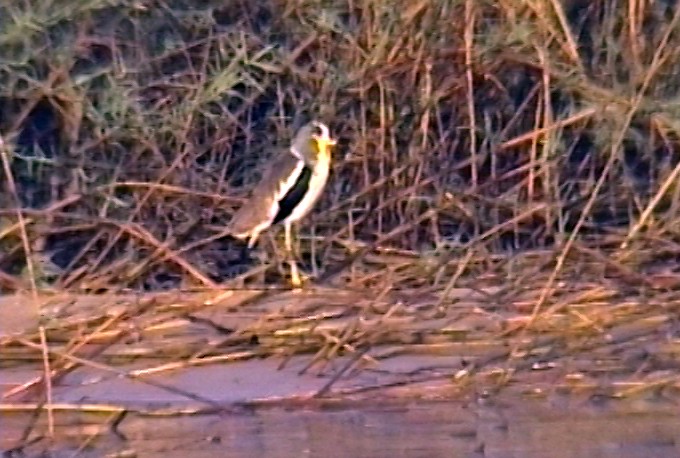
x=261, y=208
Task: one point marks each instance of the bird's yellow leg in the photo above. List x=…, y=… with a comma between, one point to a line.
x=295, y=279
x=288, y=234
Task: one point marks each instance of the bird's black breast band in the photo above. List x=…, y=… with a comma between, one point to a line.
x=294, y=195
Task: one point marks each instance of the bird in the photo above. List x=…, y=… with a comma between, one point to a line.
x=290, y=186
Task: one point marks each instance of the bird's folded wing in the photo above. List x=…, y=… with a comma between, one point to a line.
x=258, y=212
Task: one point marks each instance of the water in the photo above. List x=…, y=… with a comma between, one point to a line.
x=414, y=429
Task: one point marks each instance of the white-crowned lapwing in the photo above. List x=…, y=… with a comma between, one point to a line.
x=290, y=186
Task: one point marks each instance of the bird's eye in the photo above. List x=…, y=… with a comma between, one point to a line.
x=320, y=131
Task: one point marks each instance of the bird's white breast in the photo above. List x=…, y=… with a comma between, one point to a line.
x=317, y=183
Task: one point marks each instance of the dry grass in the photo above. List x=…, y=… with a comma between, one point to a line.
x=132, y=132
x=527, y=151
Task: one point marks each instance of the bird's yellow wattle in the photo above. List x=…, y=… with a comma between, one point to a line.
x=324, y=146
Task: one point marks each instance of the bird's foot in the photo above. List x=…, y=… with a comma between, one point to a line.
x=297, y=278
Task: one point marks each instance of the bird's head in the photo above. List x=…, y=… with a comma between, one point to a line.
x=313, y=141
